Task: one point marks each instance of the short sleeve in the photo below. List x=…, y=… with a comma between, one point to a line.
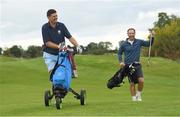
x=67, y=33
x=45, y=34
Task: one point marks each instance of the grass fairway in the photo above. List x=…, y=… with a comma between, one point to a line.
x=23, y=82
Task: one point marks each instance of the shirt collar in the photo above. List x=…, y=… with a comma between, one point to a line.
x=131, y=42
x=57, y=24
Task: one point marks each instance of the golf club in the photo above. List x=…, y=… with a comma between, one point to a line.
x=149, y=52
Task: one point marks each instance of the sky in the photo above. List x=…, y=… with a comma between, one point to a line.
x=87, y=20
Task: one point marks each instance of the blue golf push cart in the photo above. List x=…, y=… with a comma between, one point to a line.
x=61, y=77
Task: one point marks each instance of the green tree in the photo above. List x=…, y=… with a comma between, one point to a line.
x=7, y=52
x=91, y=48
x=108, y=45
x=1, y=50
x=98, y=48
x=163, y=19
x=16, y=51
x=33, y=51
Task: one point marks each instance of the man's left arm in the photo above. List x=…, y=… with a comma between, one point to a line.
x=151, y=40
x=147, y=43
x=73, y=41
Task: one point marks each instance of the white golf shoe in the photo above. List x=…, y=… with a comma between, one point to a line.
x=139, y=98
x=134, y=98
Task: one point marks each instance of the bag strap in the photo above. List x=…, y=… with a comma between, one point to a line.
x=56, y=66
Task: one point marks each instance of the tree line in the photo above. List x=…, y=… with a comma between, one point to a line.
x=36, y=51
x=19, y=52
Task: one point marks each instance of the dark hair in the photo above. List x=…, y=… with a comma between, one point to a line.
x=50, y=11
x=131, y=29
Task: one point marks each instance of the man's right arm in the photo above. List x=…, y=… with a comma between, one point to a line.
x=52, y=45
x=46, y=39
x=120, y=52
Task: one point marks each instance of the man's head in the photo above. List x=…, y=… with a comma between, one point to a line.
x=52, y=16
x=131, y=33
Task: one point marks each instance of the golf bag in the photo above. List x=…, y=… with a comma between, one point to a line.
x=61, y=80
x=119, y=76
x=117, y=79
x=62, y=72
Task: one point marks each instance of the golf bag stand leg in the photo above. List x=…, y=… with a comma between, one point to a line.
x=75, y=93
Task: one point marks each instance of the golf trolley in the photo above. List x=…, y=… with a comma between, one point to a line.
x=60, y=93
x=61, y=79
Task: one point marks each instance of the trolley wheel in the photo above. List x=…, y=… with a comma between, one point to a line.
x=47, y=95
x=82, y=97
x=58, y=103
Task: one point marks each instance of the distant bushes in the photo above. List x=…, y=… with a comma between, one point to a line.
x=19, y=52
x=36, y=51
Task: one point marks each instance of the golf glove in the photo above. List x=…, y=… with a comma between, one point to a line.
x=79, y=49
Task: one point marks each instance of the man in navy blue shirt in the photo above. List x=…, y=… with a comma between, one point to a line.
x=131, y=49
x=54, y=34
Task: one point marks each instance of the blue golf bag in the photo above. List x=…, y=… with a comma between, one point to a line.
x=61, y=80
x=62, y=72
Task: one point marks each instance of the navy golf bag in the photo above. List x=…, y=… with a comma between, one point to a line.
x=119, y=76
x=117, y=79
